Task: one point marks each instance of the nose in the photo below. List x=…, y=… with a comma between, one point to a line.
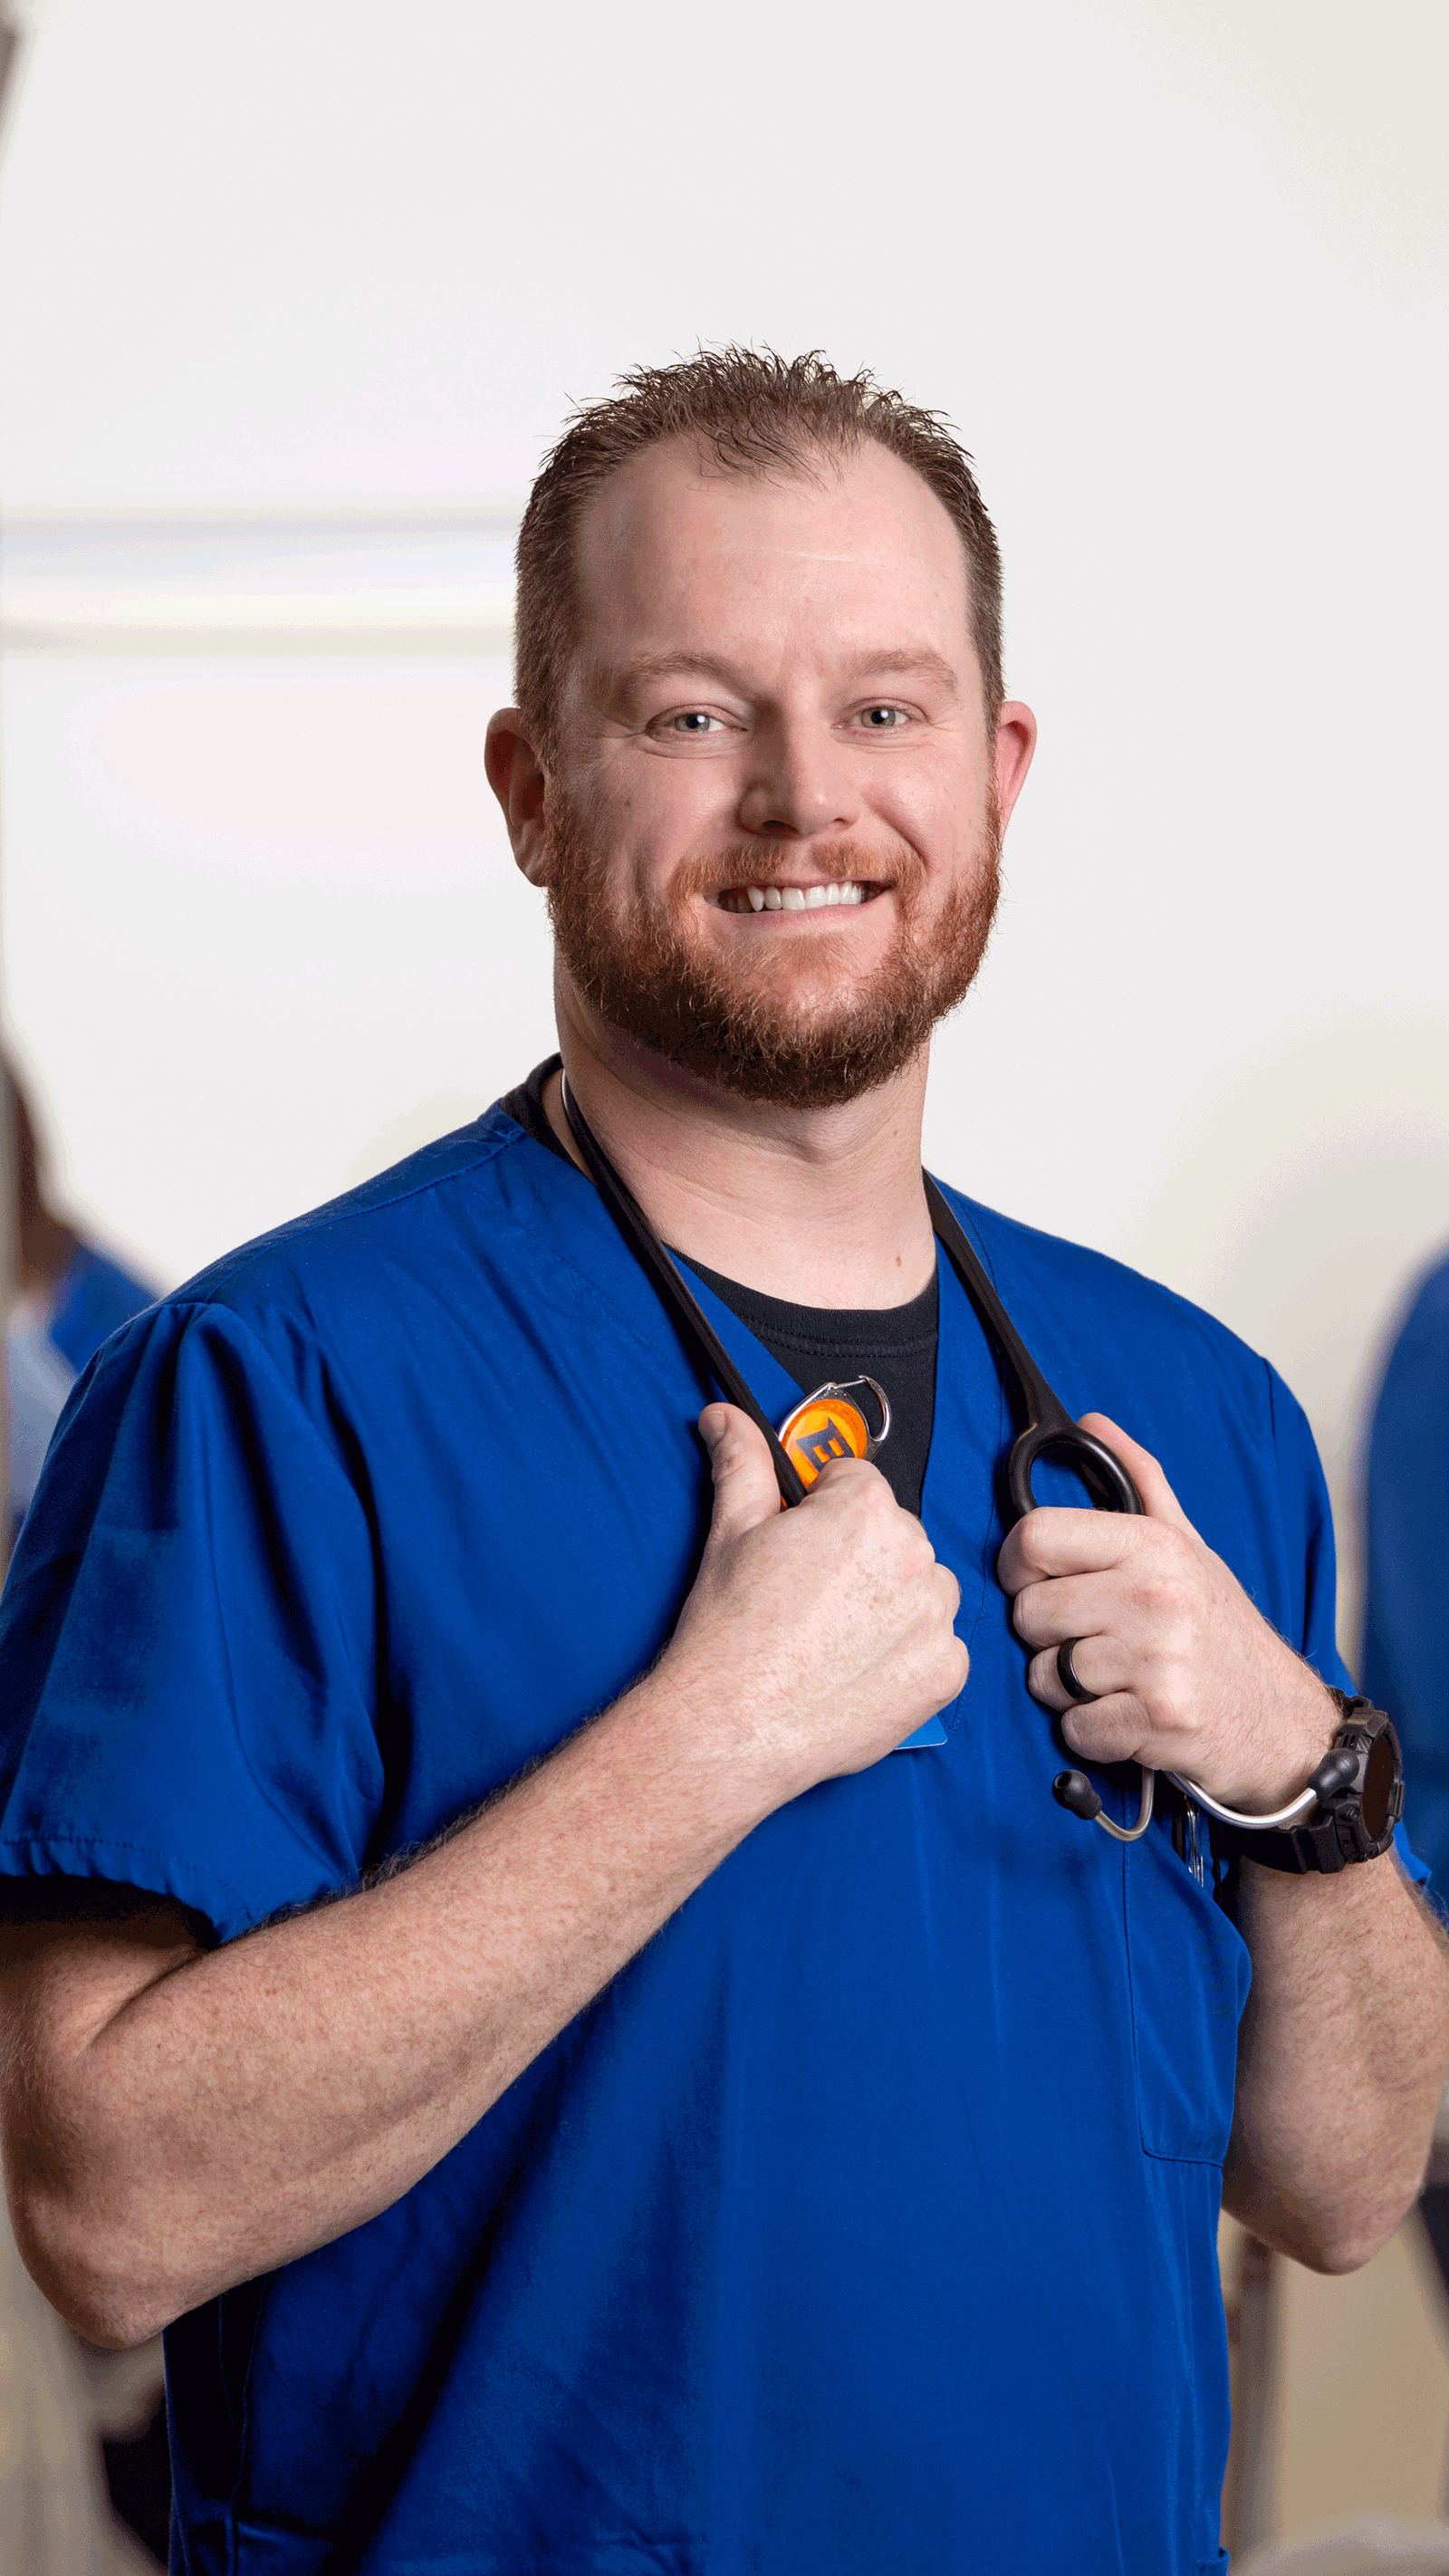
x=798, y=784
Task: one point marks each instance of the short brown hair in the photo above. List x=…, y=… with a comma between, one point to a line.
x=758, y=413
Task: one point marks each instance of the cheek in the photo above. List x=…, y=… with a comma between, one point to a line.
x=653, y=815
x=936, y=803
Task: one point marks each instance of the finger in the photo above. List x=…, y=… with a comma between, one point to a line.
x=847, y=1471
x=1050, y=1542
x=1158, y=1497
x=745, y=1489
x=950, y=1590
x=1096, y=1663
x=1075, y=1605
x=1109, y=1730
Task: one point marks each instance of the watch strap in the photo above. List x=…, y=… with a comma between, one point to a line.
x=1353, y=1823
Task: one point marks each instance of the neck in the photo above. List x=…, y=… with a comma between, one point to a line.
x=823, y=1207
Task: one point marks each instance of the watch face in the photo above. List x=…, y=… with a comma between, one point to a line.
x=1378, y=1786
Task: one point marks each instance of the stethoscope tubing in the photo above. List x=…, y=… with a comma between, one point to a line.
x=1048, y=1431
x=690, y=1318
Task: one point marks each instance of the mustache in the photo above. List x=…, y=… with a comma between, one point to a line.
x=765, y=863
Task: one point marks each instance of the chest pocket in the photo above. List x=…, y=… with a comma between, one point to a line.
x=1188, y=1972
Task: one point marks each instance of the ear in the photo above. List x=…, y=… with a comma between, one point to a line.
x=516, y=776
x=1015, y=743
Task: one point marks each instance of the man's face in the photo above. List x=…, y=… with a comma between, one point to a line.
x=771, y=830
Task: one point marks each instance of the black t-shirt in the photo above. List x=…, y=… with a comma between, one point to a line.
x=896, y=1345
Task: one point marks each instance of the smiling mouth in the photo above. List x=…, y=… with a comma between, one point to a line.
x=796, y=898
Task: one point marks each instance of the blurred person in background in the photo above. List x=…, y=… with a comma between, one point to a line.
x=1404, y=1663
x=532, y=1962
x=72, y=1296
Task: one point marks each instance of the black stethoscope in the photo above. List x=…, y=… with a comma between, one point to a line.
x=1048, y=1431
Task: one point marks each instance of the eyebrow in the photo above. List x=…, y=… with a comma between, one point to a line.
x=900, y=665
x=903, y=662
x=669, y=666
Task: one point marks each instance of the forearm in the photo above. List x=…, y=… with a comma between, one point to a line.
x=178, y=2122
x=1342, y=2060
x=250, y=2103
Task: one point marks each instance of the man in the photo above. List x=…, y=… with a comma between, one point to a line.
x=727, y=2143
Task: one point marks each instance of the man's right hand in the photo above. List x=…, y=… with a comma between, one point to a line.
x=814, y=1640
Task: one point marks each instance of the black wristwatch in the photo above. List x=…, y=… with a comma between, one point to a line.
x=1360, y=1785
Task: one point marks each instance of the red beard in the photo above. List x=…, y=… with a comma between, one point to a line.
x=782, y=1033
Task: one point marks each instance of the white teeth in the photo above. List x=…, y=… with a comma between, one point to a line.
x=774, y=898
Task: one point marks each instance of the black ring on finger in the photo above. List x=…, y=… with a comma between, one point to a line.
x=1067, y=1673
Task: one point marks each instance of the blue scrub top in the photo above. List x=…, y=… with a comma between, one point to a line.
x=1405, y=1668
x=866, y=2221
x=46, y=1349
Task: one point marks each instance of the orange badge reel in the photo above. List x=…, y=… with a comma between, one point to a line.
x=830, y=1424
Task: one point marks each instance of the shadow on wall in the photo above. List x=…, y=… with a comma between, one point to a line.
x=1301, y=1216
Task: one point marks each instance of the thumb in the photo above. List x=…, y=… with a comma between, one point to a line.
x=745, y=1491
x=1159, y=1500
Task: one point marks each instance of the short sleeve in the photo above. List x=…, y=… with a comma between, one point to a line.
x=1308, y=1532
x=187, y=1638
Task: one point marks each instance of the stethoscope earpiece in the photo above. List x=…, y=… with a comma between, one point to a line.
x=1074, y=1791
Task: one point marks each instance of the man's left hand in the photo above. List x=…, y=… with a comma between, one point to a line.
x=1186, y=1675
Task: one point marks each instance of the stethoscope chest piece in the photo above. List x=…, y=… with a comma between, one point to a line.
x=830, y=1425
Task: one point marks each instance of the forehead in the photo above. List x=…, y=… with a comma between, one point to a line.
x=676, y=553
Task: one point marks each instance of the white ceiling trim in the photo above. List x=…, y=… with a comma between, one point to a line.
x=224, y=585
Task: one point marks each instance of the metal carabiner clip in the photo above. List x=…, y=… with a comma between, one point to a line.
x=829, y=1424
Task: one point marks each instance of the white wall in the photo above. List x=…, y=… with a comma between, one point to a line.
x=1177, y=272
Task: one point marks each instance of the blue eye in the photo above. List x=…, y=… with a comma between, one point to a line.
x=883, y=719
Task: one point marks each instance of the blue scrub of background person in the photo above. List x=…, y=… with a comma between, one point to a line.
x=72, y=1299
x=1405, y=1659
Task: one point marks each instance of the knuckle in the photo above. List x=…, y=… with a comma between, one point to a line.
x=1031, y=1546
x=1105, y=1731
x=1026, y=1614
x=1170, y=1704
x=1160, y=1579
x=1176, y=1558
